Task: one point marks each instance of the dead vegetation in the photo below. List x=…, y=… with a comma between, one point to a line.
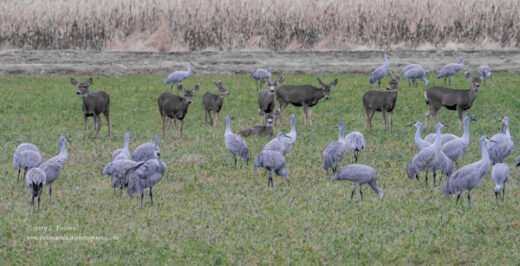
x=187, y=25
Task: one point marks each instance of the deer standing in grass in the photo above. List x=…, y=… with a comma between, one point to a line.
x=94, y=103
x=175, y=107
x=213, y=102
x=381, y=101
x=460, y=100
x=303, y=95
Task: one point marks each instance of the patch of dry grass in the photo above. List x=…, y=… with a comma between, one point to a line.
x=183, y=25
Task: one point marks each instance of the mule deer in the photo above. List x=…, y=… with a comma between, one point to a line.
x=303, y=95
x=175, y=107
x=264, y=130
x=460, y=100
x=381, y=101
x=213, y=102
x=94, y=103
x=266, y=97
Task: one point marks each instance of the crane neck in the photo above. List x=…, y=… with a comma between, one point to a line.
x=438, y=139
x=293, y=127
x=189, y=69
x=418, y=138
x=228, y=126
x=465, y=136
x=341, y=133
x=485, y=154
x=63, y=151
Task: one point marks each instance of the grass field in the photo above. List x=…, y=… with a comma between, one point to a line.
x=209, y=212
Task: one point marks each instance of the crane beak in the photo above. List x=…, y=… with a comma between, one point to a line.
x=286, y=136
x=411, y=125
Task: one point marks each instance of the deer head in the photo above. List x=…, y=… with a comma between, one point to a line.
x=82, y=87
x=326, y=87
x=475, y=81
x=221, y=90
x=188, y=94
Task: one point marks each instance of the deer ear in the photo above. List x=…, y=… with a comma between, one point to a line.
x=468, y=76
x=397, y=78
x=390, y=75
x=321, y=82
x=73, y=82
x=334, y=83
x=280, y=80
x=180, y=88
x=90, y=81
x=196, y=88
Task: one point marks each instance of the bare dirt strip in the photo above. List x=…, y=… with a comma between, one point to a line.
x=110, y=63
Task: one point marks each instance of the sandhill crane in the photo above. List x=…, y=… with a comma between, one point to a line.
x=145, y=175
x=445, y=138
x=35, y=180
x=26, y=156
x=272, y=161
x=124, y=153
x=234, y=143
x=449, y=70
x=355, y=142
x=359, y=174
x=52, y=167
x=415, y=73
x=484, y=73
x=501, y=144
x=260, y=74
x=283, y=142
x=419, y=142
x=431, y=157
x=146, y=151
x=117, y=170
x=469, y=176
x=279, y=144
x=335, y=151
x=177, y=77
x=379, y=73
x=500, y=174
x=455, y=148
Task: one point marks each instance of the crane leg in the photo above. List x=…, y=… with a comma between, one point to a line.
x=142, y=194
x=356, y=155
x=50, y=192
x=426, y=177
x=361, y=193
x=32, y=201
x=39, y=201
x=151, y=196
x=120, y=191
x=469, y=200
x=235, y=156
x=18, y=179
x=352, y=194
x=270, y=179
x=434, y=176
x=504, y=191
x=458, y=197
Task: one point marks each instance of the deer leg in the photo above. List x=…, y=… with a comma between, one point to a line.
x=306, y=113
x=310, y=116
x=107, y=117
x=98, y=122
x=168, y=126
x=180, y=132
x=370, y=116
x=384, y=118
x=163, y=124
x=216, y=119
x=461, y=117
x=206, y=113
x=390, y=114
x=85, y=128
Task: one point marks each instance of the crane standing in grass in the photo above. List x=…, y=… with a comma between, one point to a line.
x=272, y=161
x=261, y=74
x=177, y=77
x=26, y=156
x=144, y=176
x=146, y=151
x=355, y=143
x=35, y=180
x=53, y=166
x=449, y=70
x=124, y=153
x=501, y=144
x=234, y=143
x=359, y=174
x=500, y=174
x=379, y=73
x=335, y=151
x=469, y=176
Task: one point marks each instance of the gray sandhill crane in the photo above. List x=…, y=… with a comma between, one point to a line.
x=280, y=144
x=272, y=161
x=379, y=73
x=431, y=157
x=419, y=142
x=359, y=174
x=124, y=153
x=501, y=144
x=26, y=156
x=117, y=170
x=355, y=142
x=144, y=176
x=500, y=174
x=234, y=143
x=335, y=151
x=53, y=166
x=456, y=148
x=35, y=180
x=146, y=151
x=468, y=176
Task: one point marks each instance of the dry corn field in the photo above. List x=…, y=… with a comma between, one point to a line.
x=188, y=25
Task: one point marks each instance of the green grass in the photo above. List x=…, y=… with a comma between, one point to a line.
x=209, y=212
